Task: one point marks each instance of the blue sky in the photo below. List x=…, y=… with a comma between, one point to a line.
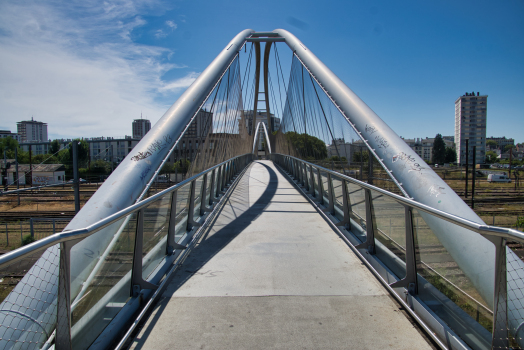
x=88, y=68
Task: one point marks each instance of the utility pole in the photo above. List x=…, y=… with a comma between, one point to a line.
x=510, y=159
x=76, y=184
x=16, y=172
x=474, y=177
x=467, y=167
x=30, y=167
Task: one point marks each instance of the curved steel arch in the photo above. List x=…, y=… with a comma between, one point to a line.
x=255, y=140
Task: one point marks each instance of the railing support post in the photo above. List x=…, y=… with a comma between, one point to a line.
x=500, y=302
x=369, y=244
x=212, y=192
x=137, y=281
x=203, y=195
x=311, y=188
x=346, y=220
x=172, y=245
x=320, y=187
x=331, y=198
x=191, y=210
x=410, y=281
x=63, y=321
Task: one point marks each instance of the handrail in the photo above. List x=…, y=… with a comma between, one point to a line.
x=66, y=236
x=484, y=230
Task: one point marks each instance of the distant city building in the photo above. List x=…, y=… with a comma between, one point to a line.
x=449, y=138
x=470, y=124
x=196, y=134
x=7, y=133
x=501, y=141
x=32, y=131
x=339, y=147
x=424, y=147
x=140, y=127
x=110, y=149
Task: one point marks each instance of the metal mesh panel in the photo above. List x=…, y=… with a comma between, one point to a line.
x=28, y=315
x=508, y=329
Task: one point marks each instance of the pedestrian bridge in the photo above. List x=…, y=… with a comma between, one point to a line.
x=304, y=222
x=270, y=272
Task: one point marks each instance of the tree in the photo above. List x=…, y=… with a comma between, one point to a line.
x=83, y=151
x=364, y=158
x=7, y=143
x=508, y=147
x=491, y=144
x=491, y=157
x=54, y=147
x=439, y=150
x=451, y=155
x=307, y=146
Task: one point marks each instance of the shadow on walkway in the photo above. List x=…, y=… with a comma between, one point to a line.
x=242, y=215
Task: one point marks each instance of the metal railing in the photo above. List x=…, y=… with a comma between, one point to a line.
x=148, y=237
x=416, y=267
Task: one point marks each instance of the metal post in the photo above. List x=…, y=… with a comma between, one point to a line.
x=320, y=187
x=500, y=302
x=370, y=169
x=6, y=234
x=474, y=177
x=203, y=195
x=54, y=227
x=76, y=183
x=137, y=281
x=369, y=244
x=467, y=168
x=346, y=206
x=17, y=175
x=63, y=324
x=361, y=165
x=311, y=182
x=211, y=191
x=31, y=228
x=331, y=198
x=190, y=215
x=171, y=231
x=410, y=281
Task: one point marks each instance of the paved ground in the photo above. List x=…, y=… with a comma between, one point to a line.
x=271, y=273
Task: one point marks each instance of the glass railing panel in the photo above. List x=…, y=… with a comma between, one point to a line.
x=198, y=197
x=338, y=192
x=182, y=209
x=390, y=232
x=357, y=198
x=101, y=290
x=156, y=224
x=444, y=275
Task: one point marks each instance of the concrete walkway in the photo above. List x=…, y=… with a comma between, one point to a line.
x=270, y=273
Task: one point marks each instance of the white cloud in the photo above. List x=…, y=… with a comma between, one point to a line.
x=172, y=25
x=76, y=67
x=181, y=83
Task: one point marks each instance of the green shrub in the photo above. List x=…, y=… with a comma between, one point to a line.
x=28, y=239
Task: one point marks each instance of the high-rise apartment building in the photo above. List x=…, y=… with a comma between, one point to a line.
x=470, y=124
x=32, y=131
x=140, y=128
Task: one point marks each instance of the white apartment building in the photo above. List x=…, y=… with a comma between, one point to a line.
x=470, y=124
x=32, y=131
x=8, y=133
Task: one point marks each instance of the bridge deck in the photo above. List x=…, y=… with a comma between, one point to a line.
x=271, y=273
